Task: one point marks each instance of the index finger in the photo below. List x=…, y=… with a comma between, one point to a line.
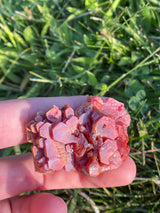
x=14, y=114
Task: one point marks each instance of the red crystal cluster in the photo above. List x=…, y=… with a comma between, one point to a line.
x=92, y=139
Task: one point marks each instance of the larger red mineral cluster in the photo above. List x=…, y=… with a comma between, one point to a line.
x=91, y=139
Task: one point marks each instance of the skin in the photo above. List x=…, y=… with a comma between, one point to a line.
x=18, y=174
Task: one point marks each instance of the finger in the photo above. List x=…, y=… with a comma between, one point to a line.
x=42, y=202
x=124, y=175
x=5, y=206
x=14, y=114
x=18, y=175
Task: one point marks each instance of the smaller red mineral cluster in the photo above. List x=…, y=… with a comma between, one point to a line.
x=91, y=139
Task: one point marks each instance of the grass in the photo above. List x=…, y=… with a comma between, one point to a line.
x=91, y=47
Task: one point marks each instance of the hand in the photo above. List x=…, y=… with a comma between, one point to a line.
x=18, y=174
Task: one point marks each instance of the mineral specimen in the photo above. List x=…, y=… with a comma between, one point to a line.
x=91, y=139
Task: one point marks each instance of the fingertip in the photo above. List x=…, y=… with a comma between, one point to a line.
x=122, y=176
x=46, y=202
x=130, y=175
x=125, y=174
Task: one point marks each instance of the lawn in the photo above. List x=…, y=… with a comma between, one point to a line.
x=91, y=47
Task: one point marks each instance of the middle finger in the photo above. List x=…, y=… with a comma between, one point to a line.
x=18, y=175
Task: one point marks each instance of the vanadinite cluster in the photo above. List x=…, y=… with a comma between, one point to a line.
x=91, y=139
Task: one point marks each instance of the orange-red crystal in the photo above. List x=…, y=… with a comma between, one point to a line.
x=91, y=139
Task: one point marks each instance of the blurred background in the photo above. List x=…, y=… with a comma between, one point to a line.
x=90, y=47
